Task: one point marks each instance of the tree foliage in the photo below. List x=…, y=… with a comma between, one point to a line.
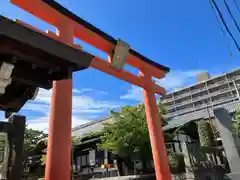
x=31, y=138
x=76, y=140
x=205, y=134
x=128, y=134
x=236, y=125
x=176, y=162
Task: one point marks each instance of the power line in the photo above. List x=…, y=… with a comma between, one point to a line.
x=229, y=11
x=225, y=25
x=236, y=5
x=219, y=23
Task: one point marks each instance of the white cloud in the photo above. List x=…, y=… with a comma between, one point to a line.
x=42, y=123
x=178, y=79
x=76, y=91
x=37, y=107
x=172, y=81
x=44, y=96
x=103, y=92
x=83, y=107
x=135, y=93
x=82, y=90
x=81, y=103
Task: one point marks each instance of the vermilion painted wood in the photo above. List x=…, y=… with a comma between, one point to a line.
x=155, y=132
x=60, y=118
x=102, y=65
x=60, y=125
x=41, y=10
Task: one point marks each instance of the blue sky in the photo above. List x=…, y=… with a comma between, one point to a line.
x=182, y=35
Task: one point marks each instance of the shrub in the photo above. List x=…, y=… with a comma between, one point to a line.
x=205, y=134
x=176, y=162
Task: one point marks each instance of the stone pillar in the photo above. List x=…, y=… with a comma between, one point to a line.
x=224, y=124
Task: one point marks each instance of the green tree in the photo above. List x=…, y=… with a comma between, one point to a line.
x=31, y=138
x=76, y=140
x=236, y=125
x=128, y=135
x=205, y=133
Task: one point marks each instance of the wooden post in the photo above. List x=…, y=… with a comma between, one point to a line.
x=155, y=131
x=60, y=125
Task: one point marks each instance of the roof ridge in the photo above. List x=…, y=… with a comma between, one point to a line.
x=90, y=123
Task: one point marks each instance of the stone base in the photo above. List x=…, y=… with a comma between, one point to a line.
x=232, y=176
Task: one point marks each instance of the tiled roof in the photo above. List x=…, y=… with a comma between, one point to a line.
x=93, y=126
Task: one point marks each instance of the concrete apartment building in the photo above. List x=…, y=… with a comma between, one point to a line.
x=198, y=100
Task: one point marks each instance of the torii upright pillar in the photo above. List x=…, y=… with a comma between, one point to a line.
x=60, y=125
x=155, y=130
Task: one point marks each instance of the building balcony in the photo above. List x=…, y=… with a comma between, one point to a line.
x=222, y=100
x=195, y=91
x=220, y=91
x=167, y=100
x=179, y=104
x=180, y=112
x=177, y=97
x=197, y=107
x=183, y=111
x=199, y=98
x=171, y=107
x=236, y=77
x=169, y=115
x=219, y=83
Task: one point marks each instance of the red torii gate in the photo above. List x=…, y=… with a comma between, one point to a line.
x=69, y=25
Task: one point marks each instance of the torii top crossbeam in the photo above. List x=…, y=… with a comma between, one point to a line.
x=52, y=13
x=68, y=26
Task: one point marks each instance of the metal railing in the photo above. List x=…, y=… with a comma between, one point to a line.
x=183, y=103
x=219, y=83
x=186, y=94
x=167, y=100
x=198, y=90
